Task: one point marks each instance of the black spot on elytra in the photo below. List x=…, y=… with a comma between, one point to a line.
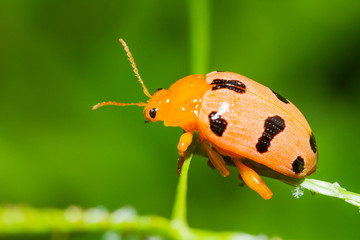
x=233, y=85
x=281, y=98
x=217, y=124
x=238, y=90
x=298, y=165
x=313, y=143
x=273, y=126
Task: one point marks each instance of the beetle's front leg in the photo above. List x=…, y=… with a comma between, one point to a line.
x=183, y=145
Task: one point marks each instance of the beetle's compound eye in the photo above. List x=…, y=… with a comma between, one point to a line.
x=158, y=89
x=152, y=112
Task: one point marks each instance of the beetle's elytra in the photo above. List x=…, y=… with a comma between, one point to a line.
x=235, y=117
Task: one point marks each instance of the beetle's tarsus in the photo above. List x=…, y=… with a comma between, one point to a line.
x=180, y=164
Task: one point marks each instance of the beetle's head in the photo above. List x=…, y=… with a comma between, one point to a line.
x=156, y=106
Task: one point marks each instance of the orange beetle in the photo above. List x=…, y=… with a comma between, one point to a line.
x=236, y=118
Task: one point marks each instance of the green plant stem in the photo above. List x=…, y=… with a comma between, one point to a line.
x=179, y=211
x=199, y=11
x=22, y=219
x=179, y=221
x=331, y=189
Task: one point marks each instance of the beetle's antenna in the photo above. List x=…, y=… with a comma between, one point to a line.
x=136, y=71
x=141, y=104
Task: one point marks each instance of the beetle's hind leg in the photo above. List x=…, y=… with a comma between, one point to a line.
x=252, y=179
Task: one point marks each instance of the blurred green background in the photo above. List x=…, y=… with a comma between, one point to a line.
x=59, y=58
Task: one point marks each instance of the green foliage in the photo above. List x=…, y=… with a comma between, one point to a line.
x=59, y=58
x=25, y=219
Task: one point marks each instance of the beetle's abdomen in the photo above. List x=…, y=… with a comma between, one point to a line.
x=256, y=123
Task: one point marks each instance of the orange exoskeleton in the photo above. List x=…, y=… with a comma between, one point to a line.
x=238, y=119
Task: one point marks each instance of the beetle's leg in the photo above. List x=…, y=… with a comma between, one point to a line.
x=252, y=179
x=179, y=165
x=241, y=183
x=184, y=143
x=209, y=163
x=216, y=160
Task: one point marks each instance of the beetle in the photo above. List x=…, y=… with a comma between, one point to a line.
x=236, y=118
